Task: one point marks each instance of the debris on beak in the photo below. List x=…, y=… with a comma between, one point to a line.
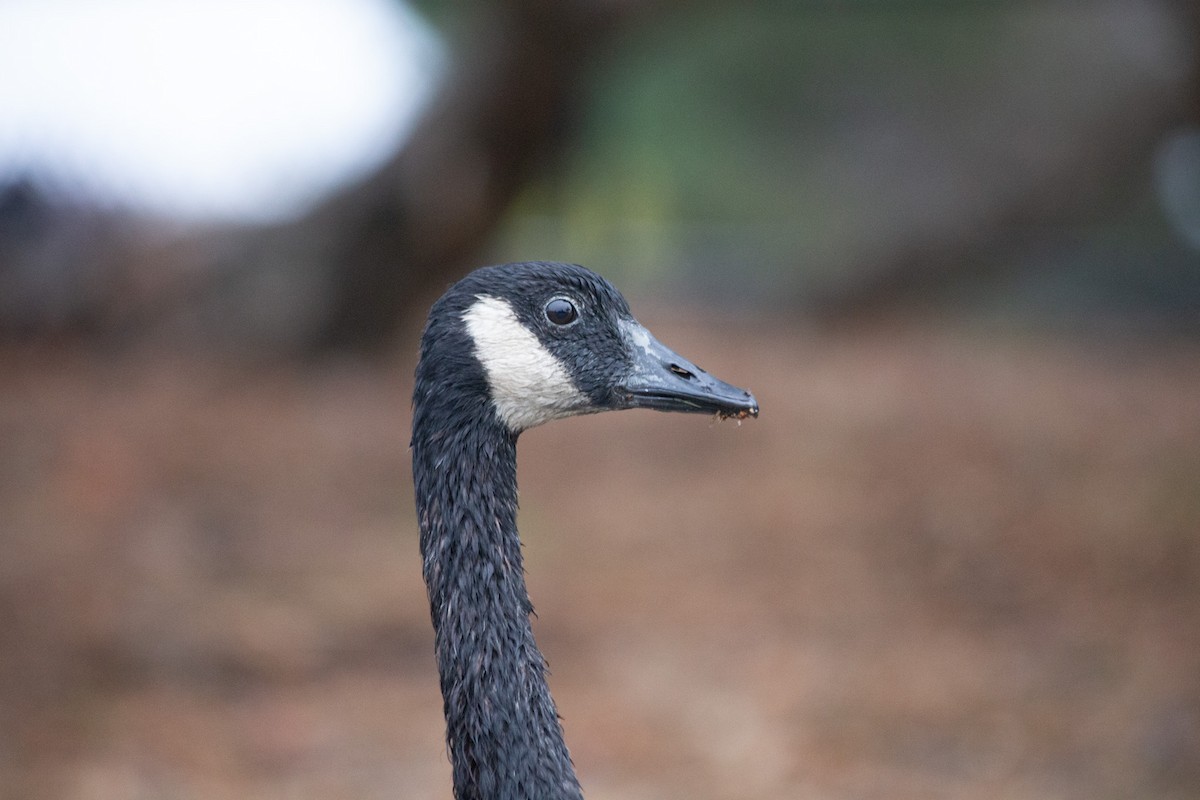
x=739, y=415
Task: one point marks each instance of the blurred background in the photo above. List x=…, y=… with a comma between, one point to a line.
x=954, y=249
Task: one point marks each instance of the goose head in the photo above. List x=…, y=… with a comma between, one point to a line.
x=541, y=341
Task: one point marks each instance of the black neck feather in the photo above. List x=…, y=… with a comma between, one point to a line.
x=502, y=728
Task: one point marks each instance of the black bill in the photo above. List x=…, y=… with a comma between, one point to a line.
x=662, y=379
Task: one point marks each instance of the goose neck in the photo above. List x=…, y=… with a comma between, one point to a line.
x=503, y=730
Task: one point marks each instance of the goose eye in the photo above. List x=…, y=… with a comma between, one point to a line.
x=561, y=311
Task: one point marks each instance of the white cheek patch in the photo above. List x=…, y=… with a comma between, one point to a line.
x=529, y=385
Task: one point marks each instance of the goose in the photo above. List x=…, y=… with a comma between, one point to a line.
x=505, y=349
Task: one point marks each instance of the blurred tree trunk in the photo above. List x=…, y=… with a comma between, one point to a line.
x=506, y=111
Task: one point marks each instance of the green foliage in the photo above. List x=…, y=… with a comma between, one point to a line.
x=716, y=130
x=792, y=151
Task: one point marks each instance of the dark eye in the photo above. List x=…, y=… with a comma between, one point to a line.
x=561, y=311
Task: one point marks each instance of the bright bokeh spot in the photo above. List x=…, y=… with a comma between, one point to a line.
x=220, y=109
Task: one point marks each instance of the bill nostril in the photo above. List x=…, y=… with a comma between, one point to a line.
x=680, y=371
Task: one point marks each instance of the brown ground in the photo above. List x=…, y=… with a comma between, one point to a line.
x=943, y=564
